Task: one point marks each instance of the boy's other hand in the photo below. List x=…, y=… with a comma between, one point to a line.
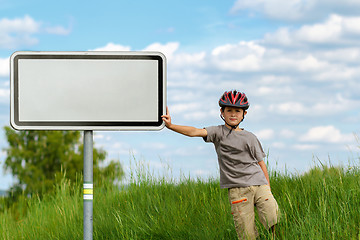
x=167, y=118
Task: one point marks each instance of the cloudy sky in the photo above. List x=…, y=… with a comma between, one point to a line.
x=297, y=61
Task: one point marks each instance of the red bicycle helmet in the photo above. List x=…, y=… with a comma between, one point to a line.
x=234, y=99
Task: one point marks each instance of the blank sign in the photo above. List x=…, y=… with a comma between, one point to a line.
x=88, y=90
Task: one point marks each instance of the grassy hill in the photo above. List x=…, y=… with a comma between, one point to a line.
x=321, y=204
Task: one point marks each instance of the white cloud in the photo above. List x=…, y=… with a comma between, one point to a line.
x=4, y=67
x=200, y=115
x=177, y=95
x=279, y=145
x=352, y=25
x=175, y=60
x=301, y=62
x=348, y=54
x=122, y=149
x=98, y=136
x=328, y=134
x=271, y=73
x=244, y=56
x=4, y=95
x=185, y=107
x=19, y=25
x=305, y=147
x=20, y=31
x=330, y=31
x=286, y=133
x=194, y=111
x=242, y=49
x=256, y=113
x=310, y=63
x=275, y=80
x=337, y=73
x=188, y=151
x=188, y=78
x=336, y=29
x=290, y=9
x=166, y=30
x=112, y=47
x=289, y=108
x=271, y=91
x=321, y=105
x=265, y=134
x=251, y=57
x=154, y=145
x=167, y=49
x=58, y=30
x=199, y=173
x=336, y=104
x=296, y=10
x=188, y=60
x=178, y=60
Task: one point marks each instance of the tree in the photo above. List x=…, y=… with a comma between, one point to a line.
x=40, y=159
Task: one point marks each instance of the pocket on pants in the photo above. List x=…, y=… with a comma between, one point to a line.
x=244, y=199
x=242, y=209
x=267, y=206
x=239, y=200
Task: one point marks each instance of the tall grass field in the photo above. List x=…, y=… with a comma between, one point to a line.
x=324, y=203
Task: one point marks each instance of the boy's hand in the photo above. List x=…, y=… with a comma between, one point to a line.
x=185, y=130
x=167, y=118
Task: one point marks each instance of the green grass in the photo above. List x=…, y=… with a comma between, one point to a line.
x=321, y=204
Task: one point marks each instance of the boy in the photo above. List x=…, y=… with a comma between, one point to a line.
x=242, y=169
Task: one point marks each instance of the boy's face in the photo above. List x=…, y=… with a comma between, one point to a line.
x=233, y=115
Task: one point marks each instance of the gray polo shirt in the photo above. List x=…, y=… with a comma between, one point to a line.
x=238, y=155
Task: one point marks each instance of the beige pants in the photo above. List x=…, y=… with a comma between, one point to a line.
x=242, y=202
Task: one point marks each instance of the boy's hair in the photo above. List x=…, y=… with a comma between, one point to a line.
x=234, y=99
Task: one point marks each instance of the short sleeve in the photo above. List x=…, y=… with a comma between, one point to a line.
x=258, y=150
x=211, y=134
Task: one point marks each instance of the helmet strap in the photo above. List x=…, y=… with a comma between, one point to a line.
x=232, y=126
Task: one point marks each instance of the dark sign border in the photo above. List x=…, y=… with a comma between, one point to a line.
x=76, y=125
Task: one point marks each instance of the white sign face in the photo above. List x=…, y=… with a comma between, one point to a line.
x=88, y=90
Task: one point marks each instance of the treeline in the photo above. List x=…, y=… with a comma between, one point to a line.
x=39, y=160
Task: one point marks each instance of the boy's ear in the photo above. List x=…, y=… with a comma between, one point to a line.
x=221, y=113
x=245, y=112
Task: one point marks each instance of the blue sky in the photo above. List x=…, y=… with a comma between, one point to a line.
x=297, y=61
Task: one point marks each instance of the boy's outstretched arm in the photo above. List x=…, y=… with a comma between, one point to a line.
x=185, y=130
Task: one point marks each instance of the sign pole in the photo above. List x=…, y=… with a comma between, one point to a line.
x=88, y=185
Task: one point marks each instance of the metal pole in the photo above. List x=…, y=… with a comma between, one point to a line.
x=88, y=185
